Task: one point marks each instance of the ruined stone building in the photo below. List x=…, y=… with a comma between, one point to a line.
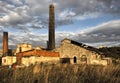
x=79, y=53
x=22, y=47
x=68, y=52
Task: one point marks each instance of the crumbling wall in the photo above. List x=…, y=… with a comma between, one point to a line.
x=24, y=47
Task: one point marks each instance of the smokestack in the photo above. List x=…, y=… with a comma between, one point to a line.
x=51, y=42
x=5, y=43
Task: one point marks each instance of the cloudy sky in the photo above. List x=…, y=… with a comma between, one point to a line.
x=94, y=22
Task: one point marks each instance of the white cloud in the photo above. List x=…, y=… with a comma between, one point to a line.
x=112, y=26
x=8, y=18
x=13, y=18
x=17, y=2
x=87, y=16
x=66, y=13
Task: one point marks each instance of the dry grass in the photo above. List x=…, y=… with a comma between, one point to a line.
x=61, y=74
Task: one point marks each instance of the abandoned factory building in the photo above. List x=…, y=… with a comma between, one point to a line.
x=69, y=51
x=78, y=53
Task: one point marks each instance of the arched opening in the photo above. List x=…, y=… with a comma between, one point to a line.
x=75, y=59
x=84, y=59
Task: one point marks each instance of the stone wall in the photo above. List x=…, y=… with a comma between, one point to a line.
x=33, y=60
x=9, y=60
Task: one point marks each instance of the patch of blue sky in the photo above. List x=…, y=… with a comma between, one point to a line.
x=40, y=31
x=87, y=23
x=99, y=20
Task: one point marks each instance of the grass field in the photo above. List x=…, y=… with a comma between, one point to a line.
x=60, y=73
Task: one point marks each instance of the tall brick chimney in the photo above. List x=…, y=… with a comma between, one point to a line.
x=51, y=42
x=5, y=43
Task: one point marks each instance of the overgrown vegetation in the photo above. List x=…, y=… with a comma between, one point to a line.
x=113, y=52
x=61, y=73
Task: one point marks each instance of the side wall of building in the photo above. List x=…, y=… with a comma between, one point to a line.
x=8, y=60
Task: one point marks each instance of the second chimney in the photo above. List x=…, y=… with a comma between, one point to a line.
x=5, y=43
